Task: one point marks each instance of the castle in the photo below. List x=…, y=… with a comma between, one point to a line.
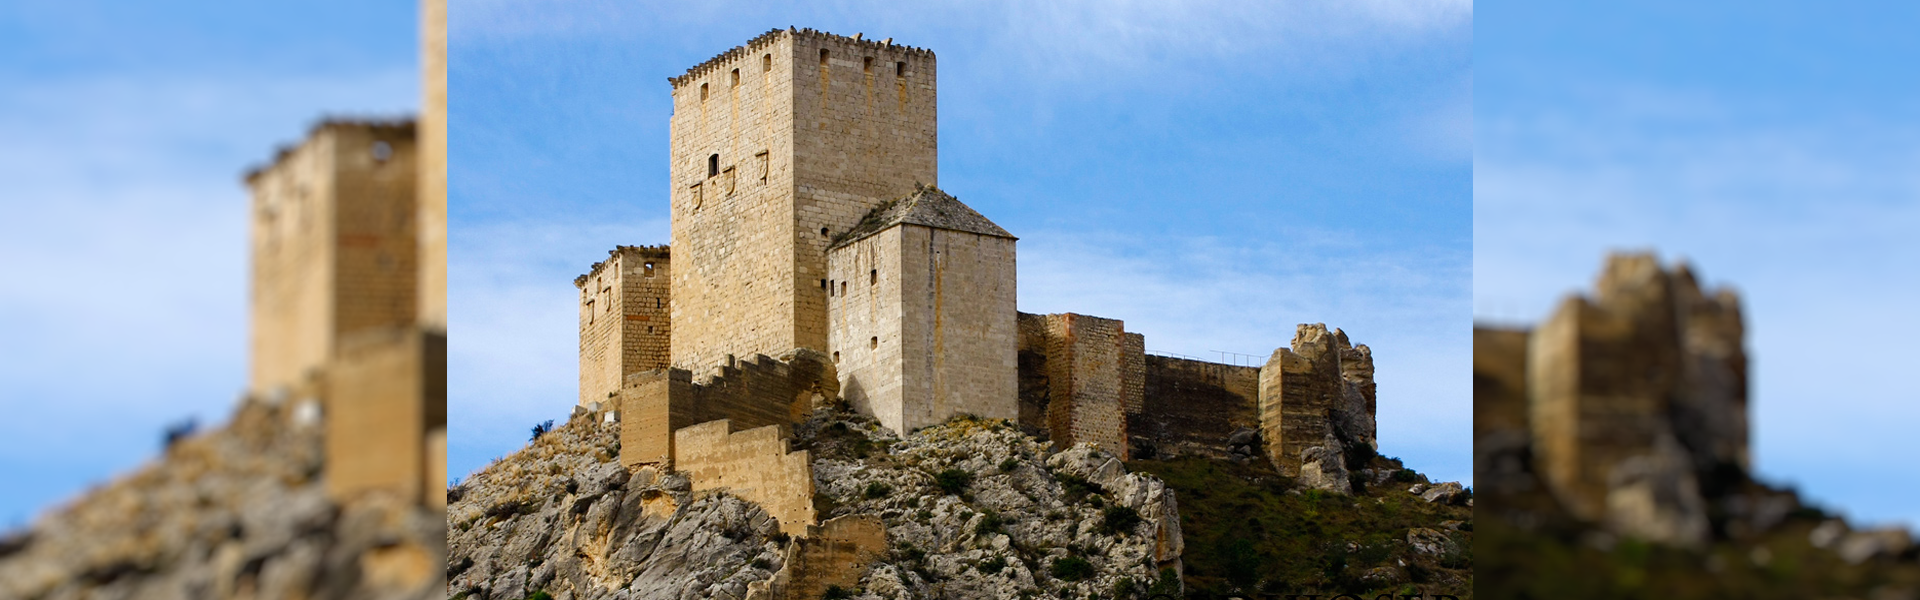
x=814, y=259
x=349, y=315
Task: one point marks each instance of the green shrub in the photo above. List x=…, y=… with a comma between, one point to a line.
x=835, y=592
x=1406, y=476
x=540, y=595
x=1118, y=519
x=877, y=490
x=1168, y=584
x=993, y=565
x=1009, y=465
x=989, y=523
x=1071, y=568
x=1076, y=487
x=953, y=481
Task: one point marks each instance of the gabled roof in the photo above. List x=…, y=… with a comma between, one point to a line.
x=927, y=206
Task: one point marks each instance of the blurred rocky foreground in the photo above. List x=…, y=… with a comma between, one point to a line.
x=237, y=512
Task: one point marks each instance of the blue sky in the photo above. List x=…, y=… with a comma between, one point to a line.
x=124, y=130
x=1773, y=145
x=1211, y=172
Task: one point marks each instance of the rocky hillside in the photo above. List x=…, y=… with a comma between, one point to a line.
x=969, y=509
x=238, y=512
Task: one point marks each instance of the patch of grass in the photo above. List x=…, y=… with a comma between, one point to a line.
x=1076, y=487
x=877, y=490
x=1070, y=568
x=540, y=595
x=953, y=481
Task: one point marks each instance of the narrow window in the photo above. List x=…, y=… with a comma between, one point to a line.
x=762, y=159
x=649, y=269
x=823, y=284
x=659, y=303
x=713, y=165
x=649, y=330
x=766, y=63
x=823, y=58
x=829, y=289
x=900, y=69
x=703, y=92
x=874, y=343
x=843, y=288
x=867, y=65
x=836, y=357
x=736, y=78
x=873, y=277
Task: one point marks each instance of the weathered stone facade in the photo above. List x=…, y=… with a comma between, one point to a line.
x=776, y=146
x=432, y=227
x=762, y=392
x=921, y=313
x=624, y=329
x=1628, y=400
x=1090, y=365
x=333, y=247
x=336, y=299
x=753, y=464
x=1192, y=408
x=1308, y=400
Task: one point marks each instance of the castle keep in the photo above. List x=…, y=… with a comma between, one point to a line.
x=814, y=260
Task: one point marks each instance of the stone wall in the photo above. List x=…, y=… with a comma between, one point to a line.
x=922, y=325
x=753, y=464
x=333, y=247
x=835, y=553
x=1299, y=389
x=1191, y=407
x=385, y=406
x=777, y=145
x=766, y=391
x=1635, y=395
x=624, y=326
x=1090, y=366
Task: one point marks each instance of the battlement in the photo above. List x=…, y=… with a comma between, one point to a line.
x=661, y=252
x=625, y=318
x=757, y=393
x=772, y=36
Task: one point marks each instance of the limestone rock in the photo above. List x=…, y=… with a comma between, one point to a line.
x=1324, y=468
x=1655, y=497
x=1450, y=492
x=1431, y=541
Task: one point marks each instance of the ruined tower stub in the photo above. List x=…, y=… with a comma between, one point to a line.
x=777, y=146
x=334, y=247
x=624, y=303
x=1637, y=393
x=1300, y=388
x=920, y=300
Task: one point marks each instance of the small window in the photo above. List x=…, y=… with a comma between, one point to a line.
x=590, y=313
x=382, y=151
x=836, y=357
x=736, y=78
x=900, y=69
x=823, y=57
x=873, y=277
x=766, y=63
x=713, y=165
x=843, y=288
x=823, y=284
x=867, y=65
x=649, y=330
x=659, y=303
x=874, y=342
x=823, y=232
x=648, y=269
x=703, y=92
x=829, y=289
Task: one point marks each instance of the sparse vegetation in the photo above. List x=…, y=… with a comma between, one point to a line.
x=1118, y=520
x=1070, y=568
x=540, y=429
x=878, y=490
x=953, y=481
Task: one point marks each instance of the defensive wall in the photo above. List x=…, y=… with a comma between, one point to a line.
x=624, y=329
x=1192, y=406
x=387, y=415
x=753, y=464
x=766, y=391
x=834, y=553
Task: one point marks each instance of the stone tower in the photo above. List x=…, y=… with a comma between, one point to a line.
x=623, y=319
x=333, y=247
x=777, y=147
x=920, y=300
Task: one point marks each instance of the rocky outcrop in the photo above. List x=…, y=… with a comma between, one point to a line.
x=1317, y=408
x=238, y=512
x=968, y=509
